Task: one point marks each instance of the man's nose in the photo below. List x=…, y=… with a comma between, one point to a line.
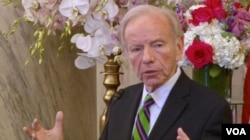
x=148, y=54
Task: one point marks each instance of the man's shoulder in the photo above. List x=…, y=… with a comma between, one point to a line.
x=133, y=89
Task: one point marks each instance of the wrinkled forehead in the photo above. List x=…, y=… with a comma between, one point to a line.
x=160, y=15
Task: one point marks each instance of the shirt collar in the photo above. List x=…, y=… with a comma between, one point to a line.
x=161, y=94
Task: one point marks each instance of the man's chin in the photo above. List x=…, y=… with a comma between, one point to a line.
x=151, y=83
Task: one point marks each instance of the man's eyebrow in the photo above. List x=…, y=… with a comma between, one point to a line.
x=158, y=40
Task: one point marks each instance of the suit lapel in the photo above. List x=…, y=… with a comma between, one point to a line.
x=173, y=108
x=125, y=118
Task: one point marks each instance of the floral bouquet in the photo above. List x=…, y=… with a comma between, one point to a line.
x=90, y=25
x=216, y=41
x=216, y=32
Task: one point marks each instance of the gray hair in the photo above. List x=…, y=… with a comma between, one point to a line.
x=149, y=9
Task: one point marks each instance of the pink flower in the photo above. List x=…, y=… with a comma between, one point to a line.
x=202, y=14
x=213, y=3
x=43, y=15
x=220, y=13
x=240, y=22
x=237, y=5
x=199, y=54
x=217, y=8
x=180, y=10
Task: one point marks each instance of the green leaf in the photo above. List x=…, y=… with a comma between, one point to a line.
x=248, y=29
x=7, y=2
x=214, y=71
x=245, y=3
x=101, y=5
x=40, y=60
x=227, y=34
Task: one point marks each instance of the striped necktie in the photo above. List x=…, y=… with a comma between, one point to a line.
x=142, y=124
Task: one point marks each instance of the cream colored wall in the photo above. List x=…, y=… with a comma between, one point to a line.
x=41, y=90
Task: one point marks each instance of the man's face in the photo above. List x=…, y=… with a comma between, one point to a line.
x=152, y=49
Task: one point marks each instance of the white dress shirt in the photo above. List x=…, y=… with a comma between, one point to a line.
x=160, y=96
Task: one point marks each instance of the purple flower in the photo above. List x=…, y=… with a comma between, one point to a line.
x=241, y=21
x=180, y=10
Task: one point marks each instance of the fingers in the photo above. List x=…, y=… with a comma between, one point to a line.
x=36, y=125
x=182, y=135
x=59, y=121
x=27, y=131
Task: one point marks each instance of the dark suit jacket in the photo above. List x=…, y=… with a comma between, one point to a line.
x=197, y=109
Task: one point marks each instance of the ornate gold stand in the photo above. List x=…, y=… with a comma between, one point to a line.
x=111, y=83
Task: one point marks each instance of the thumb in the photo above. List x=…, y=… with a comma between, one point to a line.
x=181, y=134
x=59, y=121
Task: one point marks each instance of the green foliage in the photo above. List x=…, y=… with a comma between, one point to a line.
x=7, y=2
x=13, y=28
x=245, y=3
x=41, y=35
x=227, y=34
x=101, y=5
x=214, y=71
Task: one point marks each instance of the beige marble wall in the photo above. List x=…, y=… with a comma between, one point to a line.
x=41, y=90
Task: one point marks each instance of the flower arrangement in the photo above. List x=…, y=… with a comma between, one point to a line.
x=215, y=30
x=91, y=26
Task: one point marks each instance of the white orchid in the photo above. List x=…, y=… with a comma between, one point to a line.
x=71, y=8
x=92, y=24
x=50, y=4
x=30, y=7
x=85, y=61
x=111, y=9
x=82, y=42
x=87, y=44
x=99, y=40
x=91, y=51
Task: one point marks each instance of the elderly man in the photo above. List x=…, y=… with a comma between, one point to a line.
x=167, y=105
x=153, y=42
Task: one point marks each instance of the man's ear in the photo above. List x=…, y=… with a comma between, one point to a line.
x=125, y=55
x=179, y=47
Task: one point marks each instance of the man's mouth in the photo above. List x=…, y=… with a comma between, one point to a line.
x=149, y=72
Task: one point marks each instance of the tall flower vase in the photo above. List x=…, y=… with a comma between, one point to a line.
x=216, y=78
